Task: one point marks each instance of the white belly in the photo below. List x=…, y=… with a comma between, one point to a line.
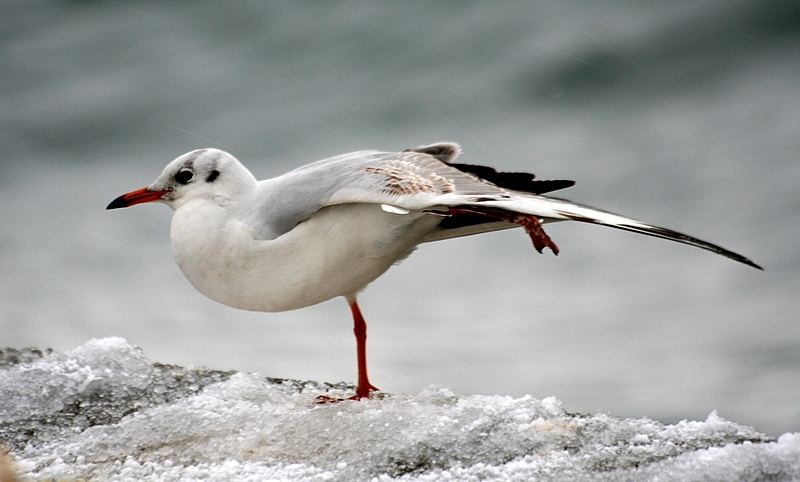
x=337, y=252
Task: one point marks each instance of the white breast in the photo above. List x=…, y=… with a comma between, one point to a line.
x=337, y=252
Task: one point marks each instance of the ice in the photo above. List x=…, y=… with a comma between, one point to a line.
x=104, y=411
x=46, y=394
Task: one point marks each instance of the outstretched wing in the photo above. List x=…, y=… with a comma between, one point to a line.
x=470, y=199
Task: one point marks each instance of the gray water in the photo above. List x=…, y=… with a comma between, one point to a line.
x=684, y=114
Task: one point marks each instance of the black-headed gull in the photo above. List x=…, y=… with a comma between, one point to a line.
x=330, y=228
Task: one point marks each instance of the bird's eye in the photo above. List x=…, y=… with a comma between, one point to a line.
x=184, y=176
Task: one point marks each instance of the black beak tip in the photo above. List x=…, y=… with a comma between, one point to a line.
x=117, y=203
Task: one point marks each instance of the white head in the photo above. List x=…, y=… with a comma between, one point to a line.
x=208, y=174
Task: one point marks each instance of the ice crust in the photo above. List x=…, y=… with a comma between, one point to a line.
x=105, y=412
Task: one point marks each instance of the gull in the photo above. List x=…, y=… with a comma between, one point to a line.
x=330, y=228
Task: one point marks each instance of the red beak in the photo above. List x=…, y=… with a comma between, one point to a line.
x=143, y=195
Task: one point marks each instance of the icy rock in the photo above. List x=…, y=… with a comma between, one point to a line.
x=171, y=423
x=46, y=394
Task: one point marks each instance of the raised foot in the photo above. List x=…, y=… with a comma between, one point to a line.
x=529, y=222
x=533, y=227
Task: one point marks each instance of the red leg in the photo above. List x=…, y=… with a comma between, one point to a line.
x=364, y=386
x=360, y=330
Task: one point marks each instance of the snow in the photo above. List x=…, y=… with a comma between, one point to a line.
x=103, y=411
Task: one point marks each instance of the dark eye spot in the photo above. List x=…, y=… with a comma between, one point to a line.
x=213, y=175
x=184, y=177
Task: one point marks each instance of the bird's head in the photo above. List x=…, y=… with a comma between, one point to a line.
x=205, y=174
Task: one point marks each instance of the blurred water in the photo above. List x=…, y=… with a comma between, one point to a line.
x=678, y=113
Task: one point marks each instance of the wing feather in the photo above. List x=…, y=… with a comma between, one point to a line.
x=561, y=209
x=423, y=179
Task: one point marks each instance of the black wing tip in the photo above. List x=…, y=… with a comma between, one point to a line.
x=750, y=263
x=737, y=257
x=670, y=235
x=692, y=241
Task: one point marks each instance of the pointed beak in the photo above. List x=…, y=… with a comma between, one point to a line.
x=143, y=195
